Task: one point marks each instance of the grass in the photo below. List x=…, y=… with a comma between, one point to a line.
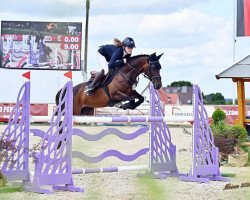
x=155, y=190
x=10, y=189
x=228, y=175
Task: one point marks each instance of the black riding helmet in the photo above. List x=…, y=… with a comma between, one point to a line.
x=128, y=42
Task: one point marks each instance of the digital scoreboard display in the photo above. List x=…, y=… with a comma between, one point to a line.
x=41, y=45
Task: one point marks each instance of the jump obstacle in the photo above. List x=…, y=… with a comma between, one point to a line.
x=53, y=164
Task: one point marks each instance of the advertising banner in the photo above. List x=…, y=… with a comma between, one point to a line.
x=187, y=110
x=35, y=110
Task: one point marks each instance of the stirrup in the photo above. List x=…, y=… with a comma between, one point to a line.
x=88, y=89
x=89, y=92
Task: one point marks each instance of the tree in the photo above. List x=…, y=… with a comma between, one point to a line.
x=215, y=99
x=180, y=84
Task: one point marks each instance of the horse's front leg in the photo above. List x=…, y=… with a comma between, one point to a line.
x=120, y=96
x=133, y=105
x=139, y=97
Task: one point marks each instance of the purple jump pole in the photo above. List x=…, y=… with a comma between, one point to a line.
x=205, y=164
x=16, y=166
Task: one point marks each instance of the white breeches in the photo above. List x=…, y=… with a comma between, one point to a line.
x=102, y=62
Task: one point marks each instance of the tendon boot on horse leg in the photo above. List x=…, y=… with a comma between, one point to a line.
x=120, y=96
x=129, y=105
x=91, y=87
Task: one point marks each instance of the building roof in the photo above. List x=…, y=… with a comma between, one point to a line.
x=169, y=98
x=172, y=95
x=185, y=93
x=240, y=69
x=164, y=97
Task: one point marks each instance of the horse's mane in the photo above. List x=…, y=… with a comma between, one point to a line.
x=137, y=56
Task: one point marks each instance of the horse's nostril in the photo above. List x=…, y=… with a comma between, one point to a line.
x=157, y=86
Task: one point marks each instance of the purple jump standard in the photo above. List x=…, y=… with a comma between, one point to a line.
x=16, y=166
x=205, y=164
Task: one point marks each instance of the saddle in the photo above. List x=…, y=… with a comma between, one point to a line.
x=104, y=82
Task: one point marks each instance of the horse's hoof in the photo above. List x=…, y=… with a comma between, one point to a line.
x=125, y=106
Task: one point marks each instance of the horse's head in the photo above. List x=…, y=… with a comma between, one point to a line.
x=148, y=65
x=153, y=70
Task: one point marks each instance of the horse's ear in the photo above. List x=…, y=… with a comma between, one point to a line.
x=158, y=57
x=152, y=56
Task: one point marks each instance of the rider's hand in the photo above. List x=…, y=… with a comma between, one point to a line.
x=125, y=60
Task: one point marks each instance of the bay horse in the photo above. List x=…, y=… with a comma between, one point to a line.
x=120, y=89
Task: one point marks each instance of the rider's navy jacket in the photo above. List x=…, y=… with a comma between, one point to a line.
x=113, y=55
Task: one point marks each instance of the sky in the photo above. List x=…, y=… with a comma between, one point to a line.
x=196, y=37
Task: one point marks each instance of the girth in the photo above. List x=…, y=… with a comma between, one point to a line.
x=111, y=102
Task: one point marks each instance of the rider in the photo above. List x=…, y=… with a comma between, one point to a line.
x=111, y=56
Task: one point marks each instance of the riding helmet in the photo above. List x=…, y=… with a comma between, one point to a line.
x=129, y=42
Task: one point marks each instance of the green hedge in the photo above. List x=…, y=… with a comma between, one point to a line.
x=218, y=116
x=226, y=136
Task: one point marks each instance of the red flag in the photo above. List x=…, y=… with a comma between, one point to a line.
x=68, y=75
x=243, y=18
x=26, y=75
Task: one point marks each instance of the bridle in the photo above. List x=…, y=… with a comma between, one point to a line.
x=152, y=78
x=135, y=79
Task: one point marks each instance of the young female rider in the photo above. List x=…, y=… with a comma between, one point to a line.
x=111, y=56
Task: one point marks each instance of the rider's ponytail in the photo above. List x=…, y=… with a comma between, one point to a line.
x=117, y=42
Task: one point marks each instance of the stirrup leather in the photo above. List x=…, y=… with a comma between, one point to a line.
x=88, y=88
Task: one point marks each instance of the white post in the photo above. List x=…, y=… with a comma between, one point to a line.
x=234, y=43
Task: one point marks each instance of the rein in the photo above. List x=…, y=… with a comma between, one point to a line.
x=131, y=82
x=135, y=81
x=139, y=72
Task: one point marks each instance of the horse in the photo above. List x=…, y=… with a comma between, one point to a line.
x=120, y=89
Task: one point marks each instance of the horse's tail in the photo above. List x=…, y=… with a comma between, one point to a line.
x=62, y=107
x=57, y=97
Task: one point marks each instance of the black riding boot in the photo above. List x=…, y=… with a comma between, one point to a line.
x=89, y=88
